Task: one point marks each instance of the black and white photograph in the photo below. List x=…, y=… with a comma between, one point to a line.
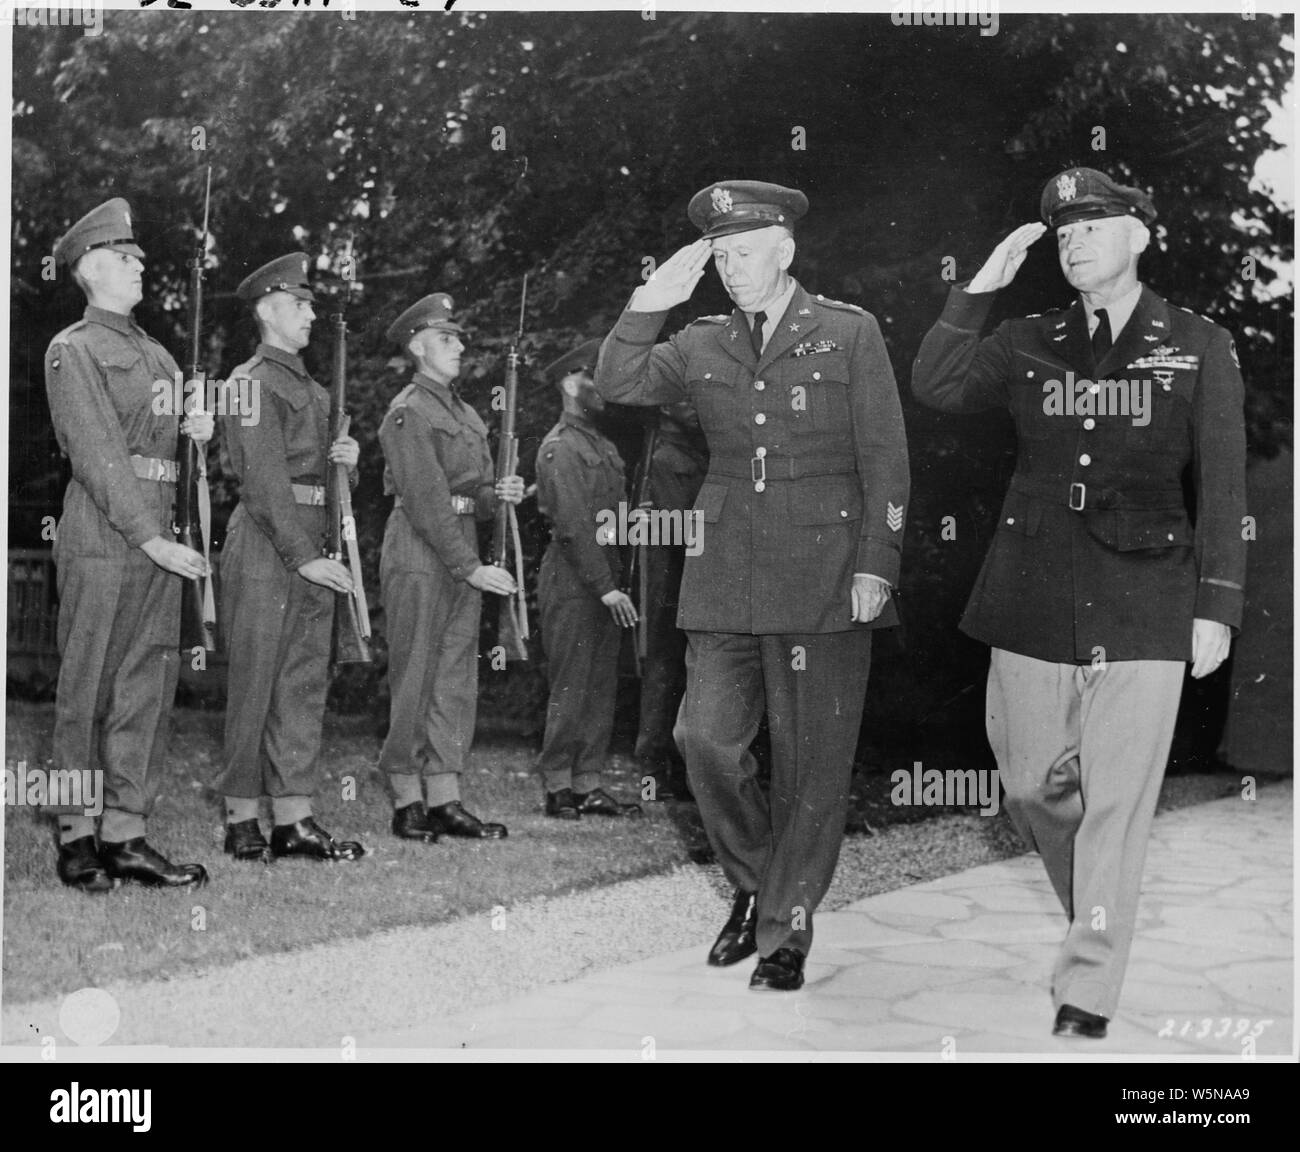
x=650, y=535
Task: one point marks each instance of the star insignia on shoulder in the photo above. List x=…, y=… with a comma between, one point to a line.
x=794, y=327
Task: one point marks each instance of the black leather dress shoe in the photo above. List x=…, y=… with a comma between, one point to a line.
x=1072, y=1021
x=244, y=841
x=136, y=860
x=412, y=823
x=79, y=866
x=563, y=805
x=307, y=838
x=780, y=972
x=598, y=802
x=452, y=820
x=736, y=940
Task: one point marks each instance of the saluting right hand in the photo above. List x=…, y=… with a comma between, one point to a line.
x=674, y=280
x=490, y=578
x=174, y=557
x=621, y=608
x=327, y=573
x=1004, y=262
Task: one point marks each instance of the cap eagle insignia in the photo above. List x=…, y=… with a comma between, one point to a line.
x=1065, y=187
x=720, y=198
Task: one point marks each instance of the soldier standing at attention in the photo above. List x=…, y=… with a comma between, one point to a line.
x=579, y=476
x=677, y=469
x=278, y=590
x=118, y=593
x=118, y=566
x=439, y=472
x=802, y=514
x=1098, y=589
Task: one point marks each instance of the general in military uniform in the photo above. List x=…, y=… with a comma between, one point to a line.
x=439, y=472
x=118, y=567
x=579, y=488
x=278, y=589
x=675, y=472
x=1098, y=587
x=802, y=512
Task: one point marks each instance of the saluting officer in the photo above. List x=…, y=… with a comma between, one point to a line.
x=439, y=471
x=1097, y=588
x=118, y=566
x=278, y=590
x=579, y=477
x=802, y=513
x=676, y=471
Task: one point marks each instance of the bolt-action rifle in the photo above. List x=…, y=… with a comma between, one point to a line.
x=636, y=571
x=351, y=612
x=191, y=513
x=512, y=634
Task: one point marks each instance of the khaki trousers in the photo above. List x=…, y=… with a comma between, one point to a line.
x=1081, y=753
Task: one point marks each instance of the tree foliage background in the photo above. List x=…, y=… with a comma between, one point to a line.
x=918, y=145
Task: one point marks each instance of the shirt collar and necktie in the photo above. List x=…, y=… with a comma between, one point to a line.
x=1105, y=324
x=763, y=324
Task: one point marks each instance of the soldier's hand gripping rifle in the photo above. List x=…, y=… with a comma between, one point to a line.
x=191, y=513
x=351, y=611
x=512, y=633
x=636, y=572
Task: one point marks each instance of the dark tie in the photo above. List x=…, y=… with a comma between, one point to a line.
x=756, y=334
x=1101, y=339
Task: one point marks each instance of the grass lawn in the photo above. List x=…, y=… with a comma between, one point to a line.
x=57, y=940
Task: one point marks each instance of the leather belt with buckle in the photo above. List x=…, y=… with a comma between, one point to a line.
x=461, y=505
x=151, y=468
x=312, y=494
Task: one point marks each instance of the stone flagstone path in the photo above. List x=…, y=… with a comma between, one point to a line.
x=961, y=966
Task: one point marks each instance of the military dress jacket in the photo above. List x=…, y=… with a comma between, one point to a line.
x=435, y=448
x=1095, y=555
x=580, y=485
x=284, y=444
x=105, y=377
x=808, y=478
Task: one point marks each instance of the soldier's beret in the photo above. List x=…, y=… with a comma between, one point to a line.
x=581, y=359
x=284, y=274
x=1086, y=194
x=108, y=226
x=429, y=312
x=742, y=205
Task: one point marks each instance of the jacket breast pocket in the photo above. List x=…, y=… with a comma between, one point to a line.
x=127, y=378
x=1160, y=409
x=825, y=378
x=713, y=396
